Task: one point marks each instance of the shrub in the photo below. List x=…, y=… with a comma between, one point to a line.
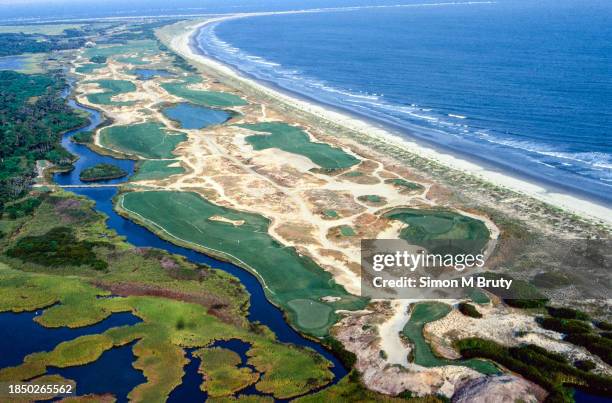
x=595, y=344
x=603, y=325
x=58, y=247
x=22, y=208
x=567, y=313
x=584, y=365
x=567, y=326
x=469, y=310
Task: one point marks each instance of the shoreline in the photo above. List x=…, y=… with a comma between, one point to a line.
x=182, y=44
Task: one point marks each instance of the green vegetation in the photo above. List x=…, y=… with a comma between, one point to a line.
x=551, y=280
x=426, y=227
x=330, y=213
x=184, y=218
x=350, y=389
x=373, y=199
x=148, y=140
x=33, y=115
x=39, y=29
x=520, y=295
x=89, y=67
x=220, y=368
x=22, y=208
x=585, y=365
x=479, y=297
x=112, y=88
x=58, y=247
x=423, y=313
x=102, y=172
x=347, y=230
x=594, y=343
x=567, y=313
x=549, y=370
x=404, y=184
x=294, y=140
x=288, y=370
x=153, y=170
x=98, y=59
x=84, y=137
x=469, y=310
x=131, y=269
x=140, y=47
x=133, y=60
x=200, y=97
x=18, y=43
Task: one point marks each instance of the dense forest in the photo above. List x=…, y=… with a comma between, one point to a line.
x=33, y=115
x=18, y=43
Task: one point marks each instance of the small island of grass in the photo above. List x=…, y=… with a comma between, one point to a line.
x=101, y=172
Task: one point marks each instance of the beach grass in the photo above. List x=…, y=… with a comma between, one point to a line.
x=294, y=140
x=148, y=140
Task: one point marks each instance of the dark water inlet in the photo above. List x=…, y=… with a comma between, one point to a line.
x=20, y=335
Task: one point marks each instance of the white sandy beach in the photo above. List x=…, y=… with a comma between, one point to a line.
x=584, y=208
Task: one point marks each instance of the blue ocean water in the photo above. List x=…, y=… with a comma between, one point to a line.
x=522, y=85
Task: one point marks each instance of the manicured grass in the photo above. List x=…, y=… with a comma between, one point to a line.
x=201, y=97
x=111, y=88
x=89, y=67
x=347, y=230
x=290, y=280
x=423, y=313
x=294, y=140
x=148, y=140
x=433, y=225
x=102, y=172
x=156, y=169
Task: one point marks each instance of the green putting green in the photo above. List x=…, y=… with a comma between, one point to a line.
x=294, y=140
x=425, y=226
x=290, y=280
x=148, y=140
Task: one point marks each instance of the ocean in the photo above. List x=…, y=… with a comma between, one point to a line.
x=519, y=85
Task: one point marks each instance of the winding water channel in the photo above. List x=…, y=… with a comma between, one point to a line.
x=260, y=310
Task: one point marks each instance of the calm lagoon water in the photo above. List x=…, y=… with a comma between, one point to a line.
x=192, y=116
x=12, y=62
x=21, y=336
x=112, y=372
x=520, y=85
